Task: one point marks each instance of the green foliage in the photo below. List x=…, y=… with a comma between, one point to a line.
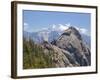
x=34, y=56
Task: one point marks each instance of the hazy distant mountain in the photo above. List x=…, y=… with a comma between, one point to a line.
x=50, y=34
x=86, y=39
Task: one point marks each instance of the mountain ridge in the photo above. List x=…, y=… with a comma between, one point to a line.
x=50, y=34
x=68, y=50
x=72, y=41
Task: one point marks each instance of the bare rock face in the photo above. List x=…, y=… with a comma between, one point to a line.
x=68, y=50
x=71, y=41
x=60, y=57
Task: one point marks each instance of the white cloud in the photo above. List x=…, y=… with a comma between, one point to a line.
x=59, y=27
x=83, y=31
x=25, y=26
x=54, y=26
x=63, y=27
x=68, y=24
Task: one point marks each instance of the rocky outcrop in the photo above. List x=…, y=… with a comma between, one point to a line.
x=68, y=50
x=71, y=42
x=60, y=57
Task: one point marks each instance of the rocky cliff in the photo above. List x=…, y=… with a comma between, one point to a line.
x=70, y=50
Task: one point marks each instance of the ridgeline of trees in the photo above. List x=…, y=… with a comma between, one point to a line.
x=34, y=56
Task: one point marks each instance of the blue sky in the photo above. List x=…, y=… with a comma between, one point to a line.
x=36, y=20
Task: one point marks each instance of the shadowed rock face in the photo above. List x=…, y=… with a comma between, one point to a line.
x=60, y=57
x=72, y=47
x=69, y=50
